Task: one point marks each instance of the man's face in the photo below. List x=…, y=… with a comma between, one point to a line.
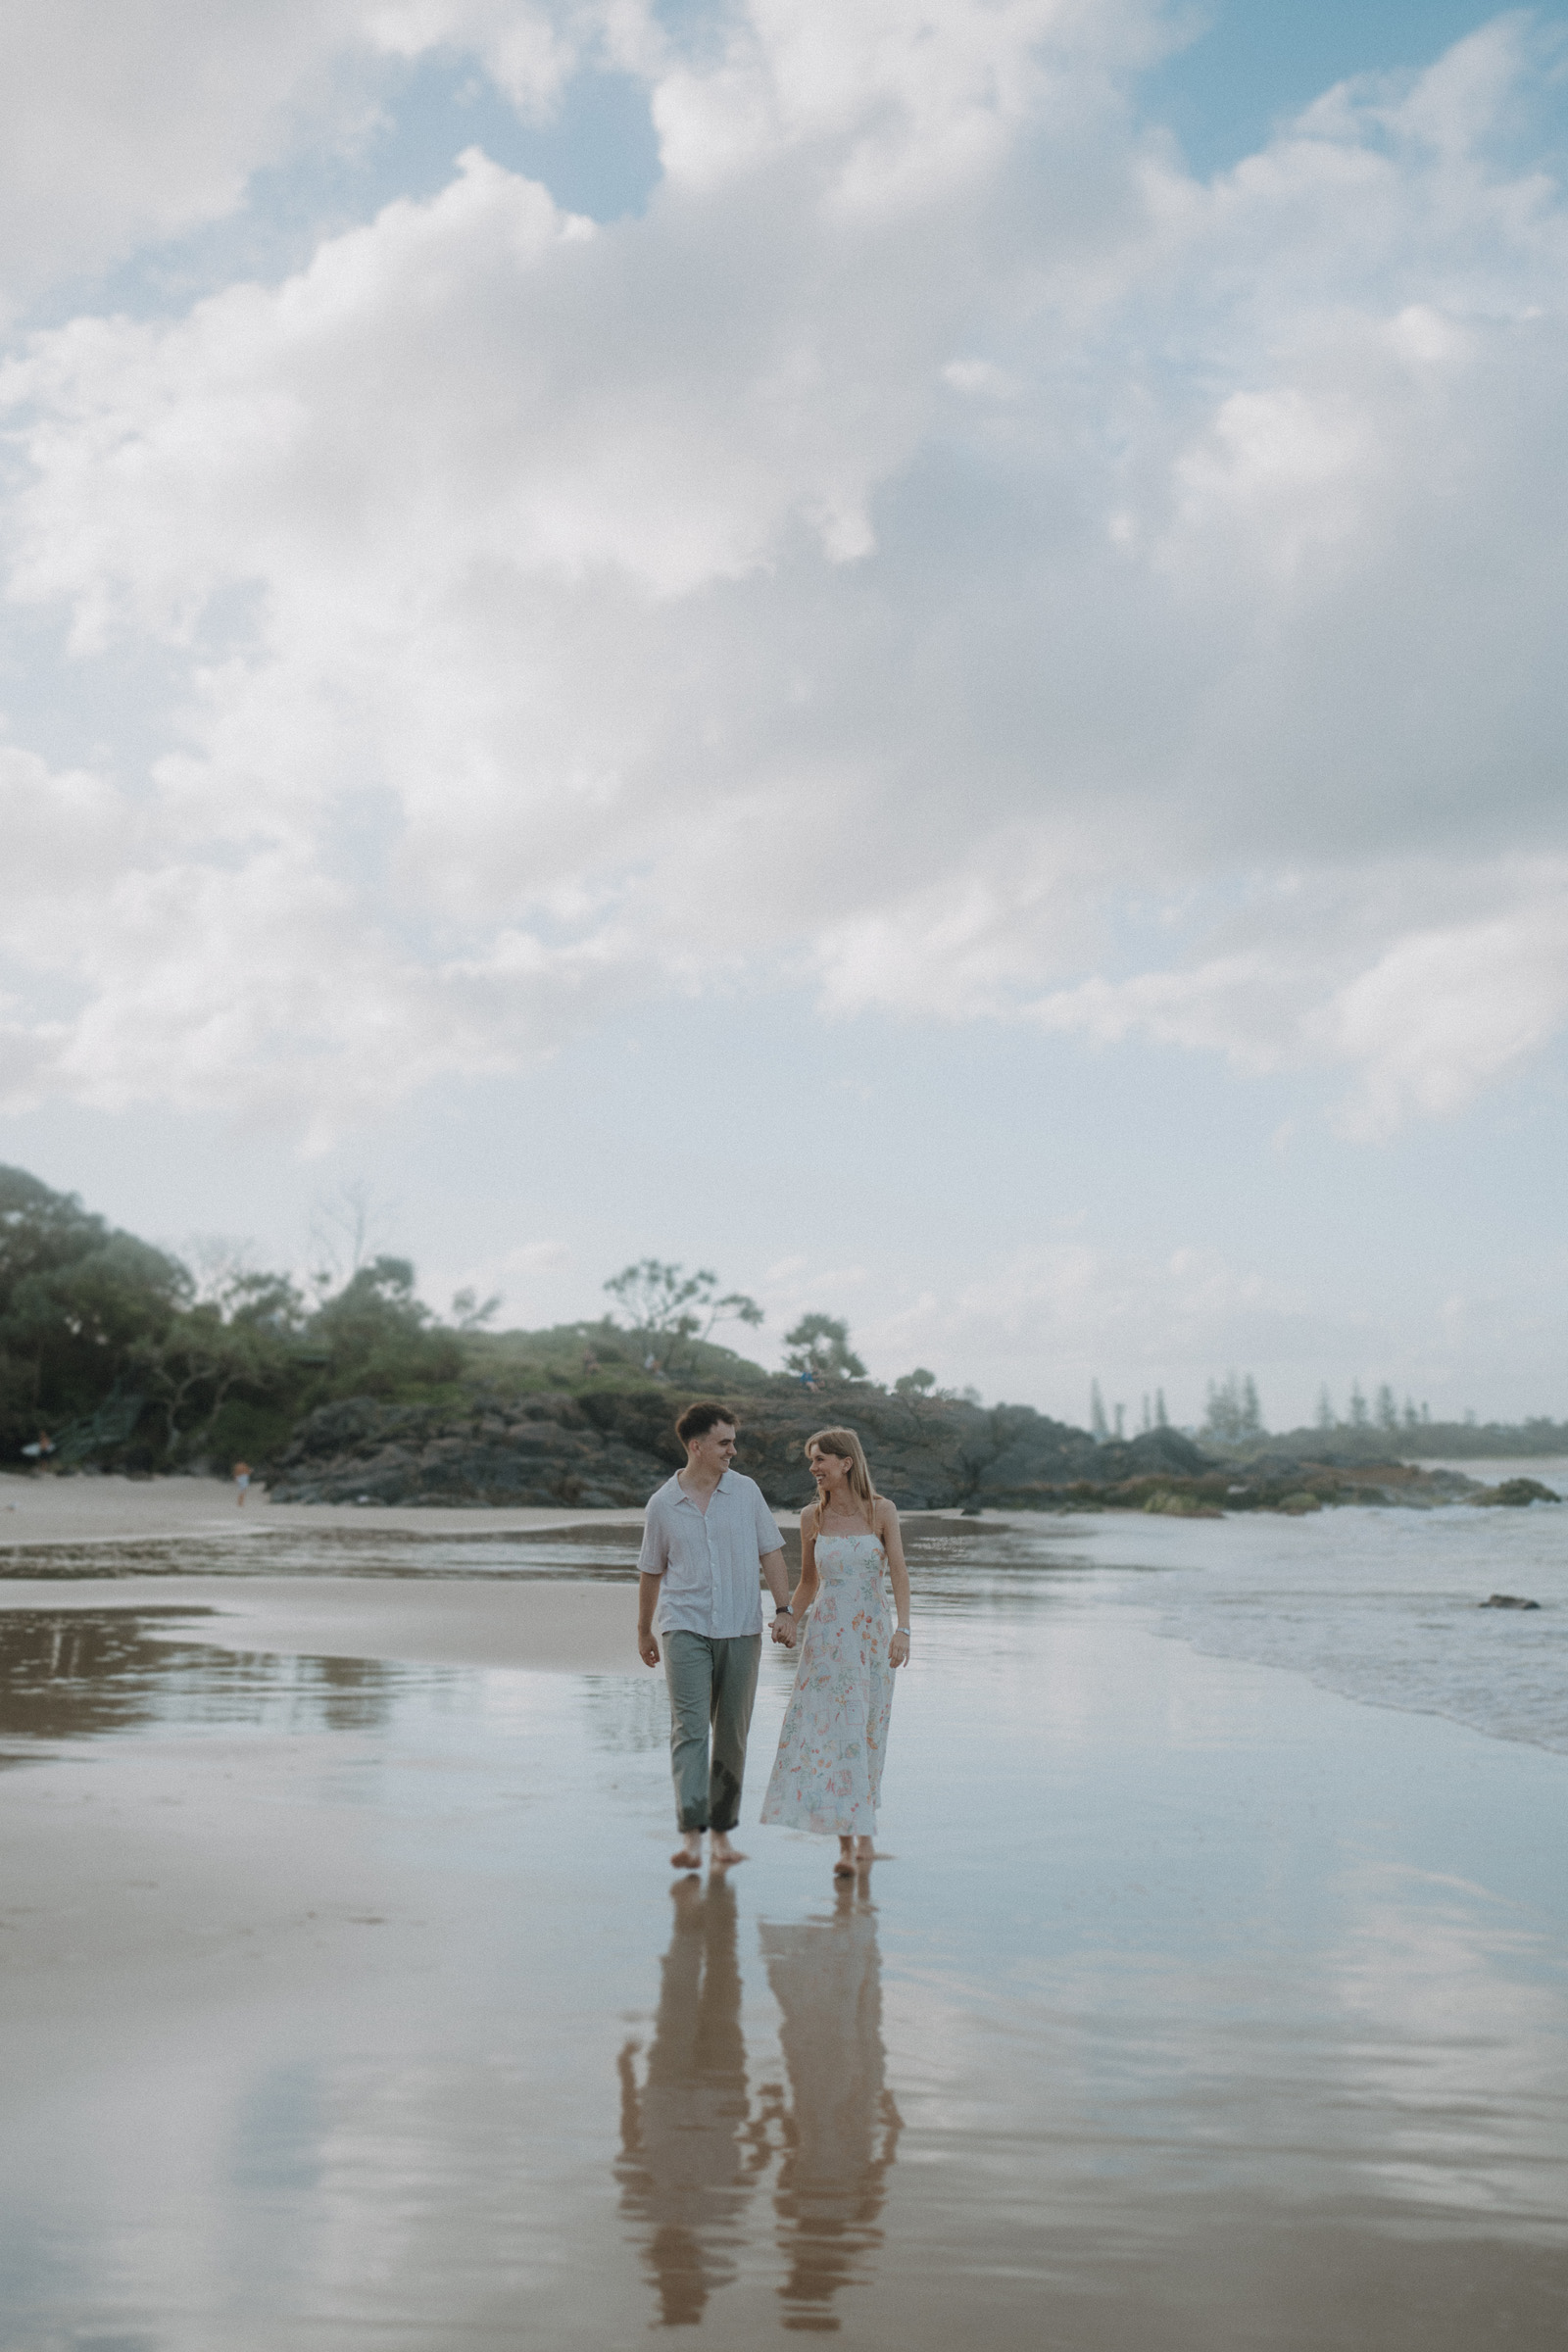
x=714, y=1449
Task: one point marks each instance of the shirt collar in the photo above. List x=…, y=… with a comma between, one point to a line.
x=724, y=1486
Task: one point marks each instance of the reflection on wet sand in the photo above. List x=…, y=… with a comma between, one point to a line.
x=690, y=2153
x=83, y=1673
x=693, y=2146
x=841, y=2126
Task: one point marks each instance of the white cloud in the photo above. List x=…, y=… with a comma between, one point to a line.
x=939, y=542
x=137, y=122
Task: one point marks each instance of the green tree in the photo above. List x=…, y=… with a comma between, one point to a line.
x=1325, y=1408
x=75, y=1296
x=467, y=1313
x=918, y=1383
x=1234, y=1414
x=818, y=1349
x=664, y=1302
x=376, y=1336
x=192, y=1368
x=1388, y=1412
x=1359, y=1416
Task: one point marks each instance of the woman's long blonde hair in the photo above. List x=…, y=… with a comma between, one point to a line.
x=847, y=1446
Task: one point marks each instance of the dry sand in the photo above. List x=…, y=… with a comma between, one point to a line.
x=120, y=1510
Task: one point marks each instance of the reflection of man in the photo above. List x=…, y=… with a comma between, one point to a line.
x=826, y=1976
x=706, y=1532
x=686, y=2171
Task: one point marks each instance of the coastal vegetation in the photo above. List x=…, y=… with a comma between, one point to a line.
x=116, y=1354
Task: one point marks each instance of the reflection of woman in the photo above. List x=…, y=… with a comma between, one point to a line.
x=688, y=2163
x=842, y=2127
x=828, y=1774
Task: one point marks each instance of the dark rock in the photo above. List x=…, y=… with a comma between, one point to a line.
x=1508, y=1600
x=1514, y=1494
x=611, y=1447
x=543, y=1450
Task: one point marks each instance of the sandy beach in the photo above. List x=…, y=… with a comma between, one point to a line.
x=350, y=2001
x=153, y=1510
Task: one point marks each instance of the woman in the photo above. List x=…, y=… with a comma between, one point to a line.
x=828, y=1775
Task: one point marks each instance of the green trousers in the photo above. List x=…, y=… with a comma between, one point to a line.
x=712, y=1683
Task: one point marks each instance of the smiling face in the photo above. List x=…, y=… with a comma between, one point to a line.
x=830, y=1470
x=714, y=1451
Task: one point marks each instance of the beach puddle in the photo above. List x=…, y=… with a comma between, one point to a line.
x=90, y=1673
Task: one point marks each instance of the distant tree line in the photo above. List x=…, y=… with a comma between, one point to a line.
x=1233, y=1416
x=112, y=1351
x=108, y=1352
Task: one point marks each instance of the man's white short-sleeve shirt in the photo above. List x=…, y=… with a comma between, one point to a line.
x=709, y=1559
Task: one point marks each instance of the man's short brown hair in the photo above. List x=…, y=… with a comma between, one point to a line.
x=697, y=1419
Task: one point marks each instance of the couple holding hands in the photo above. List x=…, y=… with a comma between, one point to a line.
x=708, y=1531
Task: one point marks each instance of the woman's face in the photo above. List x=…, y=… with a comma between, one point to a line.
x=830, y=1470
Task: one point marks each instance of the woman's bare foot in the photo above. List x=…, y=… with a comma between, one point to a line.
x=688, y=1855
x=720, y=1853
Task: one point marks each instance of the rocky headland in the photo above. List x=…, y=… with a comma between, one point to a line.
x=607, y=1448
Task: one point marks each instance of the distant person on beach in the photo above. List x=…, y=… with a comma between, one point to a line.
x=828, y=1775
x=242, y=1482
x=41, y=1450
x=707, y=1532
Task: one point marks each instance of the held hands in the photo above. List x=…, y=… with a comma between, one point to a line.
x=783, y=1630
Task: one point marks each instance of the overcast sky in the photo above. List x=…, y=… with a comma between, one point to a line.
x=910, y=648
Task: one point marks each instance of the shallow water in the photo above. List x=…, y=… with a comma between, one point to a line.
x=1381, y=1605
x=1201, y=2009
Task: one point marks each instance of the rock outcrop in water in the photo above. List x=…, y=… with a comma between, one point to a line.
x=1516, y=1494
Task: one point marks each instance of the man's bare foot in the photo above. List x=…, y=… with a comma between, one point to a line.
x=843, y=1867
x=688, y=1856
x=720, y=1853
x=864, y=1852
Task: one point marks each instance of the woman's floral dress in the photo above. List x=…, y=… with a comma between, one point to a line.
x=828, y=1775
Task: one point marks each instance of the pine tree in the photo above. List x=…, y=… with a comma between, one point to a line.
x=1099, y=1425
x=1388, y=1415
x=1160, y=1420
x=1359, y=1416
x=1325, y=1408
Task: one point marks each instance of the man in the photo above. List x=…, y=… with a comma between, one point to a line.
x=707, y=1532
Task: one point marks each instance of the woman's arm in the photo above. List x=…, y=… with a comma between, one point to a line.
x=892, y=1545
x=805, y=1591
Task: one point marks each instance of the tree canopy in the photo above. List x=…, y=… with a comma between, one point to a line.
x=818, y=1349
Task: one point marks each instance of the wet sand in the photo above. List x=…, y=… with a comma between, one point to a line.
x=350, y=2003
x=563, y=1627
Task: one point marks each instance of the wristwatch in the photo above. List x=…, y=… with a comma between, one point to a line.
x=783, y=1612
